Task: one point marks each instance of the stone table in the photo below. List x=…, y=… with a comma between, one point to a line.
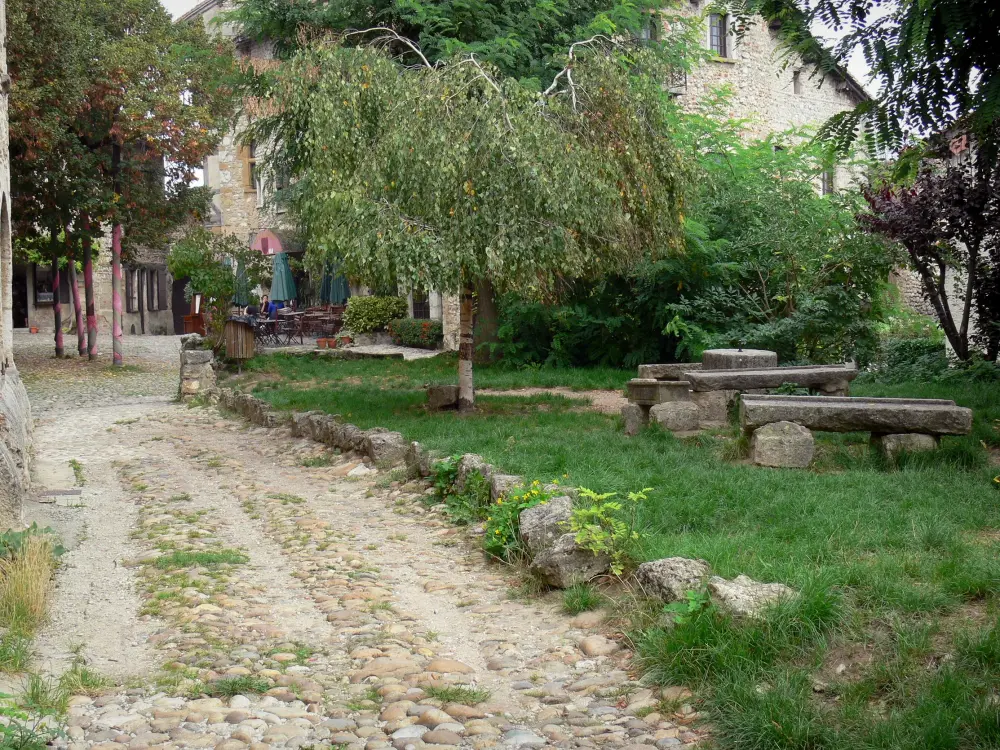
x=738, y=359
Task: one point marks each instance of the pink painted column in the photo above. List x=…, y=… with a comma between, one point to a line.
x=88, y=288
x=57, y=308
x=116, y=295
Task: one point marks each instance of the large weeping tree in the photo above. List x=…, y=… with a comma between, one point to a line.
x=448, y=176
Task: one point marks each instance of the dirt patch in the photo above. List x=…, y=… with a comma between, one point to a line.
x=605, y=402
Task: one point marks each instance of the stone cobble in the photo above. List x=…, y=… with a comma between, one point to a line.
x=293, y=597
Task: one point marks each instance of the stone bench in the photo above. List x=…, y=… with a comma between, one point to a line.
x=674, y=371
x=668, y=402
x=781, y=425
x=828, y=379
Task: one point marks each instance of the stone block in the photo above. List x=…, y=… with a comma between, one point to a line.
x=635, y=417
x=564, y=564
x=644, y=391
x=385, y=448
x=301, y=427
x=671, y=578
x=191, y=341
x=470, y=464
x=836, y=414
x=503, y=484
x=441, y=397
x=673, y=371
x=713, y=407
x=676, y=416
x=782, y=445
x=738, y=359
x=745, y=597
x=909, y=442
x=541, y=525
x=196, y=356
x=417, y=460
x=15, y=444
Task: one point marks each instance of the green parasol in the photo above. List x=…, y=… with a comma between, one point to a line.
x=334, y=288
x=241, y=291
x=282, y=285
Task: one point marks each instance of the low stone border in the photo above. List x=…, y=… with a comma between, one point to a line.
x=556, y=558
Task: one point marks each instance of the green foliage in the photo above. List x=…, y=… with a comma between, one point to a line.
x=581, y=597
x=436, y=159
x=370, y=314
x=209, y=559
x=607, y=526
x=523, y=41
x=12, y=542
x=768, y=263
x=445, y=473
x=19, y=731
x=682, y=612
x=210, y=261
x=44, y=696
x=423, y=334
x=240, y=685
x=503, y=525
x=466, y=696
x=15, y=652
x=472, y=503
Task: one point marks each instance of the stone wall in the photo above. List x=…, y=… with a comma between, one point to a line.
x=15, y=411
x=159, y=322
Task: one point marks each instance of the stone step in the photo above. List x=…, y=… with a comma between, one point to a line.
x=771, y=377
x=877, y=415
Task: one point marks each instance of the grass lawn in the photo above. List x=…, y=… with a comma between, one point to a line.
x=893, y=642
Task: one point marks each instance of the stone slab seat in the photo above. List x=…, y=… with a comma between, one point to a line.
x=812, y=376
x=846, y=414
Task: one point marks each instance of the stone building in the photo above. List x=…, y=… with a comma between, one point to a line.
x=152, y=300
x=15, y=413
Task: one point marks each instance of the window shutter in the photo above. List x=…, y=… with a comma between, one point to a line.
x=64, y=285
x=150, y=299
x=129, y=284
x=161, y=289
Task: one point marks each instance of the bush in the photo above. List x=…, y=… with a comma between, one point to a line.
x=370, y=314
x=422, y=334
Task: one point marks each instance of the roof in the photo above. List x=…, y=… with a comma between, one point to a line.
x=200, y=9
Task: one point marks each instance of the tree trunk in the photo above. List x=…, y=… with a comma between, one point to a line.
x=487, y=321
x=116, y=296
x=116, y=265
x=466, y=391
x=74, y=288
x=88, y=290
x=57, y=308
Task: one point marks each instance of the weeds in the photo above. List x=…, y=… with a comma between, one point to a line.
x=581, y=598
x=316, y=461
x=24, y=585
x=44, y=696
x=15, y=653
x=183, y=559
x=78, y=474
x=242, y=685
x=463, y=694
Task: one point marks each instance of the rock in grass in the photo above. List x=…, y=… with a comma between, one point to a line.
x=468, y=465
x=671, y=578
x=909, y=442
x=386, y=448
x=442, y=397
x=782, y=445
x=676, y=416
x=634, y=418
x=745, y=597
x=565, y=564
x=543, y=524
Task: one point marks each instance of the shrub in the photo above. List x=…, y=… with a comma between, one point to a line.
x=422, y=334
x=370, y=314
x=503, y=525
x=606, y=525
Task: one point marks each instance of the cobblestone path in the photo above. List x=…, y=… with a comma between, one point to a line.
x=244, y=592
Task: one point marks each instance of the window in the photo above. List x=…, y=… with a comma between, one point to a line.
x=43, y=285
x=718, y=34
x=152, y=295
x=651, y=28
x=828, y=183
x=161, y=289
x=248, y=155
x=797, y=82
x=131, y=291
x=421, y=305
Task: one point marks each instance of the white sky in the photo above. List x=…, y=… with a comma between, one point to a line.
x=857, y=65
